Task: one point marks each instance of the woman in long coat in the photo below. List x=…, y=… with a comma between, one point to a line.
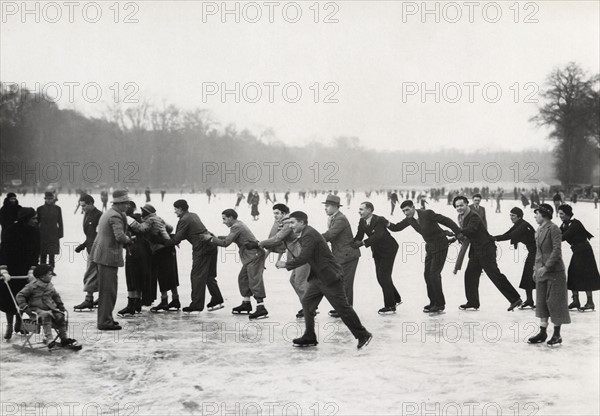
x=583, y=270
x=20, y=252
x=550, y=277
x=51, y=229
x=8, y=212
x=523, y=232
x=254, y=200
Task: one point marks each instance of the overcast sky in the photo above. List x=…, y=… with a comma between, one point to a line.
x=374, y=61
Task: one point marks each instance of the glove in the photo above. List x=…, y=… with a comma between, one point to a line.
x=79, y=248
x=356, y=244
x=5, y=276
x=252, y=245
x=30, y=275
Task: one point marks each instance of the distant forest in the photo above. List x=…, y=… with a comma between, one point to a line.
x=170, y=148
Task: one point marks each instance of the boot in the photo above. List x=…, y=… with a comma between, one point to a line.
x=260, y=313
x=575, y=304
x=138, y=305
x=174, y=305
x=306, y=341
x=162, y=306
x=589, y=306
x=9, y=326
x=244, y=308
x=86, y=305
x=528, y=304
x=540, y=337
x=128, y=310
x=18, y=326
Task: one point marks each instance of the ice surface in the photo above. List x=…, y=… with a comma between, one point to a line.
x=215, y=363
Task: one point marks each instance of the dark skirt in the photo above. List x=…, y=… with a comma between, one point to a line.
x=138, y=268
x=583, y=270
x=527, y=281
x=7, y=305
x=164, y=268
x=254, y=211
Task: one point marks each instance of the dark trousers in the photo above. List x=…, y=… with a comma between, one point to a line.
x=434, y=263
x=484, y=258
x=383, y=268
x=337, y=298
x=107, y=294
x=47, y=259
x=203, y=275
x=349, y=273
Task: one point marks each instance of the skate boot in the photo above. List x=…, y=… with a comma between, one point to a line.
x=517, y=303
x=70, y=344
x=86, y=306
x=300, y=314
x=129, y=310
x=259, y=313
x=436, y=310
x=539, y=338
x=138, y=305
x=528, y=304
x=387, y=310
x=575, y=304
x=244, y=308
x=174, y=305
x=468, y=307
x=162, y=306
x=214, y=305
x=589, y=306
x=556, y=339
x=305, y=341
x=364, y=341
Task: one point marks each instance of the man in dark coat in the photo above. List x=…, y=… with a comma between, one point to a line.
x=523, y=232
x=482, y=256
x=51, y=229
x=339, y=234
x=426, y=222
x=384, y=248
x=325, y=279
x=204, y=257
x=19, y=253
x=8, y=212
x=91, y=219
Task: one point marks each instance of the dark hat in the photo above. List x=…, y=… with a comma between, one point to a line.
x=333, y=200
x=120, y=195
x=282, y=208
x=25, y=214
x=88, y=199
x=299, y=215
x=42, y=269
x=149, y=209
x=517, y=211
x=567, y=209
x=11, y=195
x=546, y=210
x=49, y=194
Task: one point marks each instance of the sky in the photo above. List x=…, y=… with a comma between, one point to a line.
x=397, y=75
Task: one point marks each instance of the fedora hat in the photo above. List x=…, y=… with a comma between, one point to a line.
x=333, y=200
x=149, y=209
x=119, y=196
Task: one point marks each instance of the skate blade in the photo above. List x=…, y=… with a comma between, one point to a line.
x=83, y=310
x=259, y=317
x=305, y=345
x=192, y=312
x=586, y=310
x=470, y=309
x=173, y=310
x=216, y=308
x=387, y=313
x=126, y=316
x=241, y=313
x=527, y=308
x=436, y=313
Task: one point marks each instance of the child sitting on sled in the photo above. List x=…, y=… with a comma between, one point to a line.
x=41, y=297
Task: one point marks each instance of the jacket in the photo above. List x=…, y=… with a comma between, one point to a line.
x=107, y=248
x=339, y=235
x=548, y=239
x=39, y=296
x=380, y=240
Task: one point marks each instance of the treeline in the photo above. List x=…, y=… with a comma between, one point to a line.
x=166, y=147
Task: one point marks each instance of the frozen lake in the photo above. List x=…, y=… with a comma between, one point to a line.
x=215, y=363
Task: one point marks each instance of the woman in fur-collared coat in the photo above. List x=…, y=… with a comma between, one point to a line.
x=550, y=277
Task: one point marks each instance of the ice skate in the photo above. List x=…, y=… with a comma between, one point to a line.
x=514, y=305
x=388, y=310
x=468, y=307
x=539, y=338
x=588, y=307
x=555, y=340
x=528, y=304
x=162, y=306
x=174, y=305
x=300, y=314
x=129, y=310
x=364, y=341
x=85, y=306
x=215, y=306
x=426, y=308
x=244, y=308
x=260, y=313
x=575, y=304
x=436, y=310
x=190, y=309
x=305, y=341
x=334, y=314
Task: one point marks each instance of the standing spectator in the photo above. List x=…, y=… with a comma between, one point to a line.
x=51, y=229
x=91, y=219
x=8, y=213
x=107, y=254
x=147, y=193
x=557, y=200
x=550, y=279
x=254, y=200
x=104, y=199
